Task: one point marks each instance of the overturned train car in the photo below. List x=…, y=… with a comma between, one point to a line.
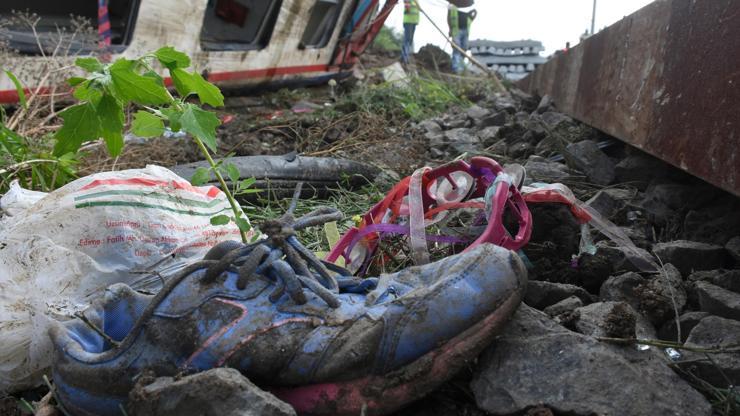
x=237, y=43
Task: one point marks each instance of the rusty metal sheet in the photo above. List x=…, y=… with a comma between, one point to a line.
x=665, y=79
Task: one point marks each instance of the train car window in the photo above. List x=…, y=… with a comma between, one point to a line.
x=237, y=25
x=321, y=23
x=61, y=25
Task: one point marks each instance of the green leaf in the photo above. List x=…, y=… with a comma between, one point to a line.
x=207, y=92
x=246, y=183
x=220, y=220
x=173, y=115
x=187, y=83
x=147, y=125
x=201, y=176
x=90, y=64
x=131, y=86
x=110, y=113
x=81, y=124
x=172, y=58
x=74, y=81
x=18, y=88
x=233, y=173
x=200, y=124
x=87, y=91
x=243, y=224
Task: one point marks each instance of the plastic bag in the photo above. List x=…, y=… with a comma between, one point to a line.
x=17, y=199
x=132, y=226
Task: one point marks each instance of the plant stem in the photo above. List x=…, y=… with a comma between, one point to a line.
x=224, y=188
x=668, y=344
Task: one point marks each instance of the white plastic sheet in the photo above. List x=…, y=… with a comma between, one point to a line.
x=65, y=248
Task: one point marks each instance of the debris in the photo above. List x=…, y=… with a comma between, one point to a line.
x=689, y=256
x=718, y=301
x=279, y=174
x=136, y=226
x=538, y=362
x=589, y=159
x=395, y=74
x=309, y=330
x=216, y=392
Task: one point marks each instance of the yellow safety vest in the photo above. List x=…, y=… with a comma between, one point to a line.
x=410, y=12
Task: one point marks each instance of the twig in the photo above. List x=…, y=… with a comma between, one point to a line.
x=83, y=318
x=53, y=391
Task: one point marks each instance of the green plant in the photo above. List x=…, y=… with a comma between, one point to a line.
x=388, y=40
x=108, y=89
x=30, y=161
x=417, y=97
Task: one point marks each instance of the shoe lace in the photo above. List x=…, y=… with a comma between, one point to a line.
x=283, y=258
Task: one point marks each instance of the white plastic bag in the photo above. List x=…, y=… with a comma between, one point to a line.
x=17, y=199
x=102, y=229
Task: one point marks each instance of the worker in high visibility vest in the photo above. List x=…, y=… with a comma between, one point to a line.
x=459, y=22
x=410, y=20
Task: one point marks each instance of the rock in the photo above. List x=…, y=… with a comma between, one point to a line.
x=625, y=259
x=555, y=121
x=430, y=126
x=499, y=148
x=521, y=150
x=714, y=332
x=546, y=104
x=718, y=301
x=433, y=57
x=548, y=146
x=733, y=249
x=454, y=122
x=657, y=297
x=541, y=170
x=688, y=256
x=476, y=113
x=498, y=119
x=521, y=117
x=663, y=200
x=687, y=322
x=537, y=362
x=639, y=169
x=386, y=179
x=217, y=392
x=604, y=204
x=589, y=159
x=715, y=223
x=541, y=294
x=564, y=306
x=489, y=135
x=606, y=319
x=505, y=104
x=727, y=279
x=463, y=140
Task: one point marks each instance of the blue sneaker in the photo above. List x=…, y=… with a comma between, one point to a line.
x=327, y=344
